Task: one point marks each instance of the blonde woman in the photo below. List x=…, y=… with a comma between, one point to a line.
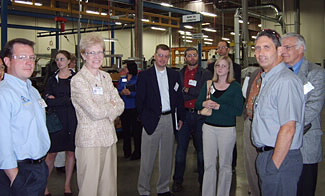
x=97, y=104
x=219, y=129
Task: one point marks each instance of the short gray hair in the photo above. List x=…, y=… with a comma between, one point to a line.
x=300, y=39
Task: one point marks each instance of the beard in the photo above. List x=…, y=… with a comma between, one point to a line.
x=193, y=63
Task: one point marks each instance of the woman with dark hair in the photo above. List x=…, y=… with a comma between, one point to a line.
x=58, y=99
x=130, y=123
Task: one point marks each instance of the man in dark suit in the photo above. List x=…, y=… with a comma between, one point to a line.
x=161, y=110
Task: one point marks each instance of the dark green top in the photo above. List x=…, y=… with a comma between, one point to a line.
x=231, y=105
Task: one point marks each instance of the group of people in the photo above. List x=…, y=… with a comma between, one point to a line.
x=158, y=106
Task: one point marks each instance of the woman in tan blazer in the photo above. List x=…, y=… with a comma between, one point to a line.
x=97, y=104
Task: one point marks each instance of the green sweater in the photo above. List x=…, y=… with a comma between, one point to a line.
x=231, y=105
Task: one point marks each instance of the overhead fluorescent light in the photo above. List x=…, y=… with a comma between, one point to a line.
x=181, y=32
x=259, y=25
x=210, y=30
x=166, y=4
x=24, y=2
x=206, y=23
x=188, y=27
x=208, y=14
x=103, y=14
x=205, y=36
x=187, y=40
x=118, y=23
x=254, y=37
x=225, y=39
x=208, y=43
x=186, y=37
x=145, y=20
x=241, y=22
x=232, y=33
x=110, y=40
x=158, y=28
x=206, y=39
x=92, y=12
x=38, y=4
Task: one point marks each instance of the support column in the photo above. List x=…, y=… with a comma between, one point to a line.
x=245, y=33
x=4, y=23
x=139, y=32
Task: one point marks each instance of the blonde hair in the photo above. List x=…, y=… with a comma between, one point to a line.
x=90, y=40
x=230, y=76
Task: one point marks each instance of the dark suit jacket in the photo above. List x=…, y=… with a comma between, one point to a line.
x=149, y=102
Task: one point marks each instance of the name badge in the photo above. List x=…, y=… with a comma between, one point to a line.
x=192, y=82
x=176, y=86
x=308, y=87
x=98, y=90
x=42, y=103
x=212, y=90
x=124, y=80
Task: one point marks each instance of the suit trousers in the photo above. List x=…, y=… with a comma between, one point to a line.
x=250, y=155
x=282, y=181
x=162, y=141
x=31, y=180
x=308, y=180
x=97, y=171
x=217, y=142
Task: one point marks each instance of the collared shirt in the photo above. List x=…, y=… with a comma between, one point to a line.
x=163, y=89
x=297, y=66
x=190, y=75
x=253, y=93
x=23, y=132
x=281, y=99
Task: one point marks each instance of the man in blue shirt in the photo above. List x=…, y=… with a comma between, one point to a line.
x=313, y=78
x=24, y=140
x=278, y=120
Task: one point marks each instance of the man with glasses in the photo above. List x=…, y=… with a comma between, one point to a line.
x=160, y=105
x=313, y=78
x=24, y=140
x=278, y=120
x=193, y=77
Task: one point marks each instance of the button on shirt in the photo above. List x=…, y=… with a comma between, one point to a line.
x=163, y=89
x=281, y=100
x=23, y=132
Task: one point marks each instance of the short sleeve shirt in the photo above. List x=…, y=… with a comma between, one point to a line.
x=281, y=99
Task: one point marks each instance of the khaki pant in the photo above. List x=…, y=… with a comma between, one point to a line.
x=97, y=171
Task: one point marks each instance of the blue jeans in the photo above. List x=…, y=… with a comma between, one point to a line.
x=192, y=126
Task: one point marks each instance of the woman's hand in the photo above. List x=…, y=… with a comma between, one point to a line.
x=211, y=104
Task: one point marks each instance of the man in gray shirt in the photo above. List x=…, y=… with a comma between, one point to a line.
x=278, y=120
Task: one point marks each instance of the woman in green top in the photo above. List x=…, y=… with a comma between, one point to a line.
x=219, y=129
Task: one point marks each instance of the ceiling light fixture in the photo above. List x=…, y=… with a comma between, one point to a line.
x=208, y=14
x=118, y=23
x=24, y=2
x=206, y=39
x=259, y=25
x=158, y=28
x=145, y=20
x=103, y=14
x=208, y=43
x=209, y=30
x=187, y=40
x=188, y=27
x=225, y=39
x=206, y=23
x=166, y=4
x=92, y=12
x=38, y=4
x=254, y=37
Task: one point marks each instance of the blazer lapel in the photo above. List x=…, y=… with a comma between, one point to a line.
x=154, y=82
x=304, y=71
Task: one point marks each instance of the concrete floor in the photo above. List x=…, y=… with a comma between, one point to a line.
x=128, y=173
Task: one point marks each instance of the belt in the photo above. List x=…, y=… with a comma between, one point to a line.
x=166, y=112
x=32, y=161
x=192, y=110
x=264, y=149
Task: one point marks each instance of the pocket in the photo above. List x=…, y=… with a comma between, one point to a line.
x=271, y=169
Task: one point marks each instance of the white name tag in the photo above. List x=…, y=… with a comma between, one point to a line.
x=98, y=90
x=176, y=86
x=308, y=87
x=212, y=90
x=192, y=82
x=124, y=80
x=42, y=103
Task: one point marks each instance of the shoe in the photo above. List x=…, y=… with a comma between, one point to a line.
x=166, y=194
x=68, y=194
x=135, y=157
x=177, y=187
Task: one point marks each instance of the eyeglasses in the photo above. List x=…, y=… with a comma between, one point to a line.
x=24, y=57
x=161, y=56
x=222, y=47
x=94, y=53
x=289, y=47
x=60, y=59
x=191, y=55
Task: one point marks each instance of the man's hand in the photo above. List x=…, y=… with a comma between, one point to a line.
x=126, y=92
